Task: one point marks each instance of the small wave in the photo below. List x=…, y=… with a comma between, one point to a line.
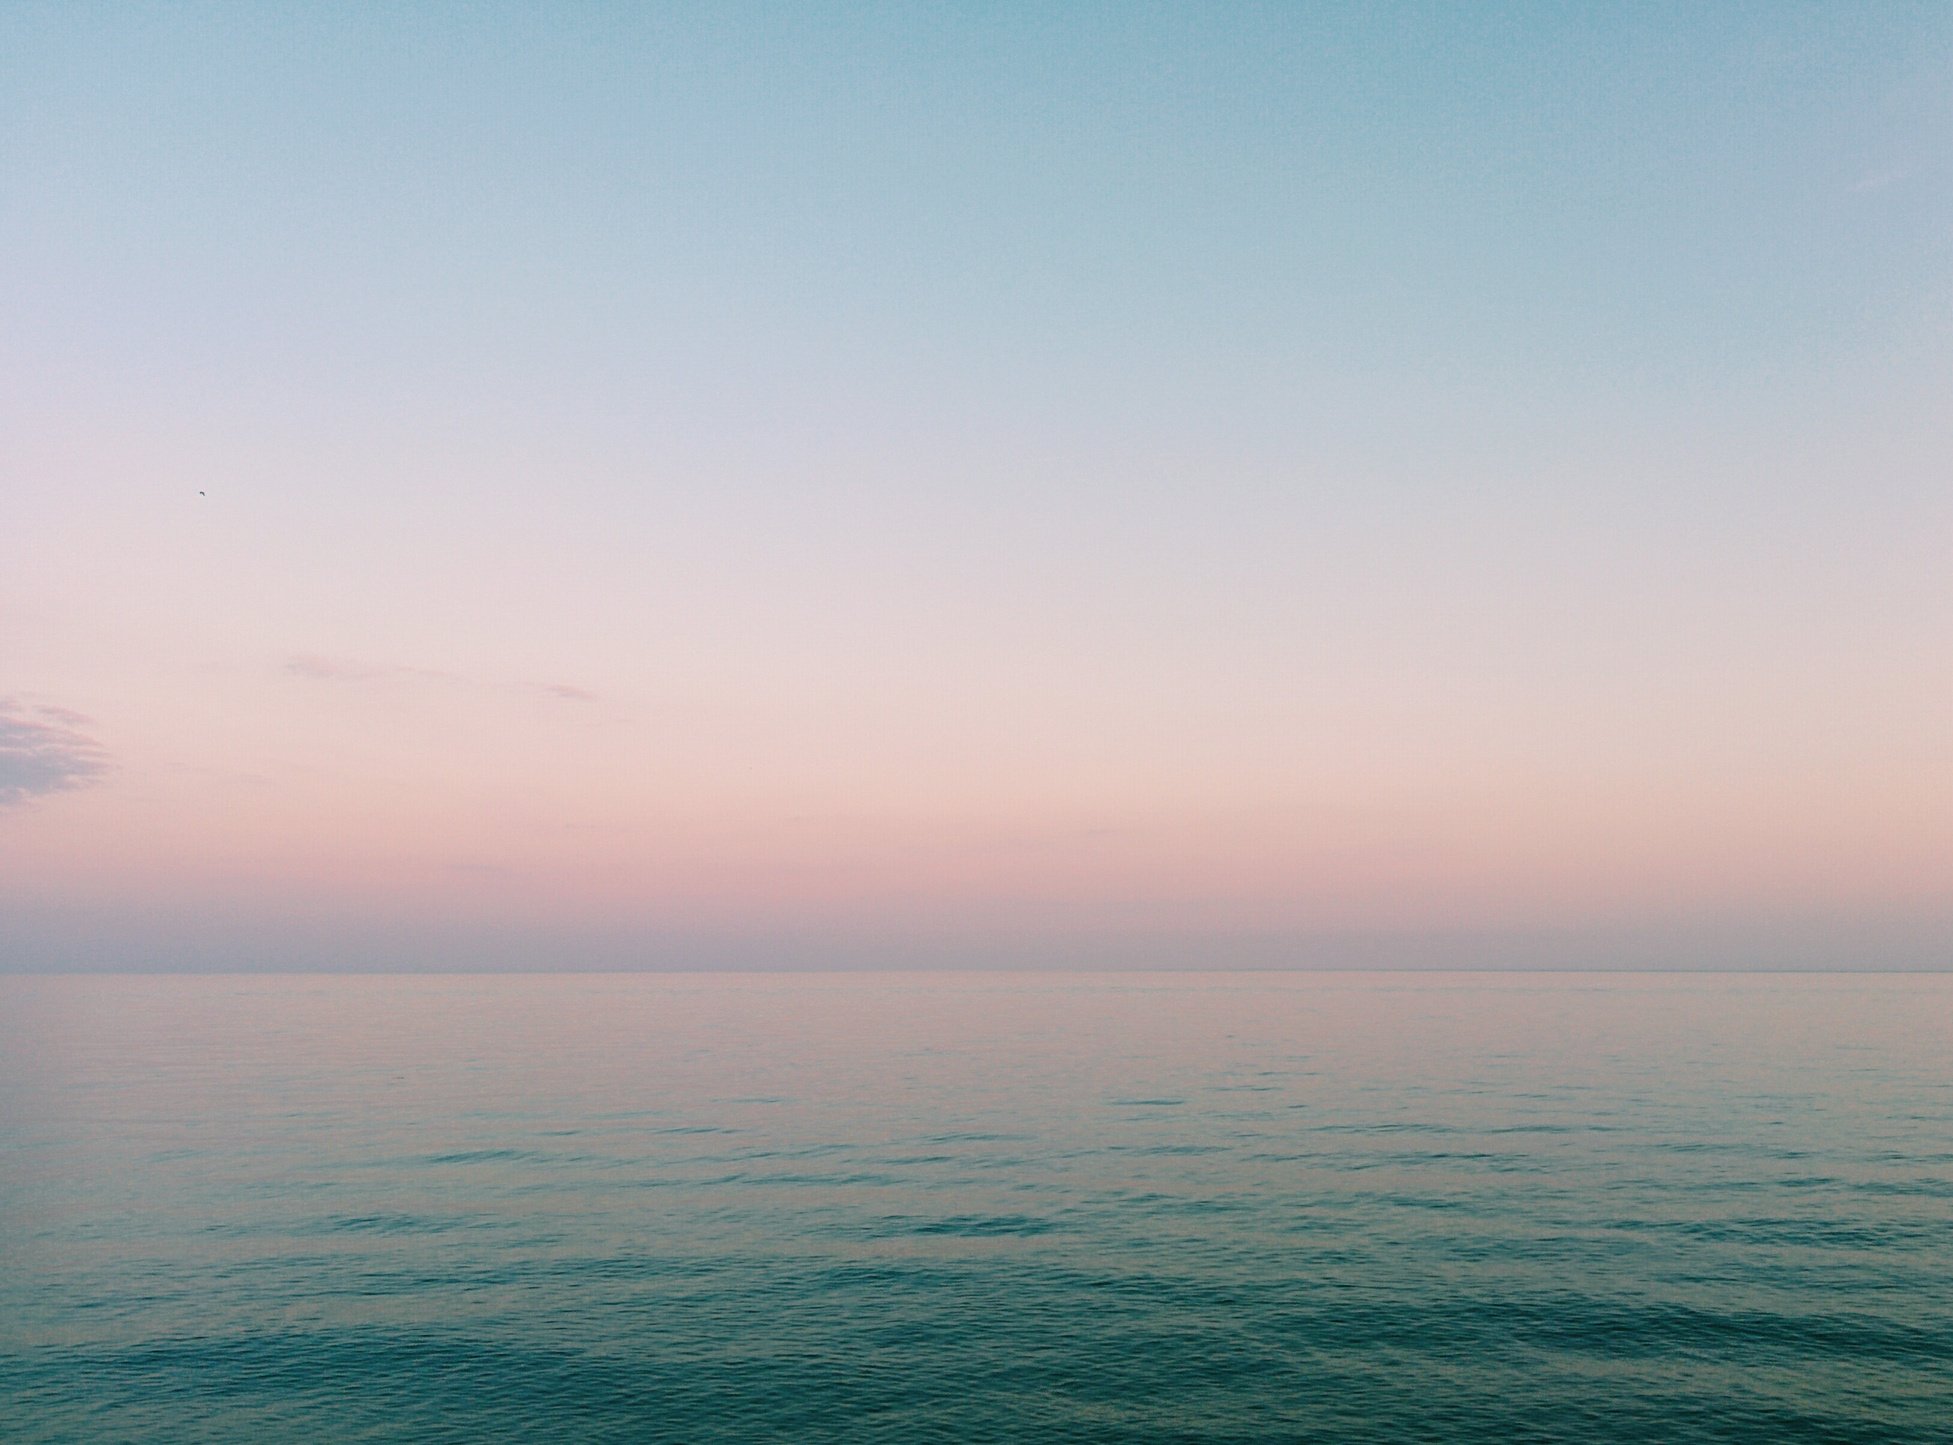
x=976, y=1226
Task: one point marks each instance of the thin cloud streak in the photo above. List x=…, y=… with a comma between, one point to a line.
x=44, y=751
x=315, y=668
x=1880, y=180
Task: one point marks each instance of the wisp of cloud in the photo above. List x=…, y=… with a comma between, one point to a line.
x=43, y=750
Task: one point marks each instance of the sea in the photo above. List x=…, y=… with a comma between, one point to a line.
x=973, y=1207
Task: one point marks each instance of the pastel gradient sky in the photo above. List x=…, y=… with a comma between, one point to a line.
x=803, y=485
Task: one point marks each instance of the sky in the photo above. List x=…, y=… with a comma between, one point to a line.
x=949, y=485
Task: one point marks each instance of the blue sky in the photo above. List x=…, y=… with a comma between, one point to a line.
x=1473, y=472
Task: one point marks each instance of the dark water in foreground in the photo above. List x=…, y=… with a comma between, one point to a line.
x=977, y=1208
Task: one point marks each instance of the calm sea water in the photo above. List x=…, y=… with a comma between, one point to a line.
x=888, y=1208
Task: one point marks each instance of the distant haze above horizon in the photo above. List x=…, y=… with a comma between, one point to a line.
x=597, y=486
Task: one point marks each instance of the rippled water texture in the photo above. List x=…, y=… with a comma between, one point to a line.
x=977, y=1208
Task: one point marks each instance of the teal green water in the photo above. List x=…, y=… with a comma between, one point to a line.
x=997, y=1207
